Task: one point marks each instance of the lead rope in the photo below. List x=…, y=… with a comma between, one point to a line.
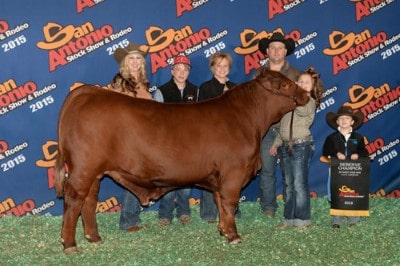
x=290, y=151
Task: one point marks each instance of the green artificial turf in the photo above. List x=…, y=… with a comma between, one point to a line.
x=35, y=240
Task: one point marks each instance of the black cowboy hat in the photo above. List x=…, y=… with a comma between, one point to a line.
x=277, y=37
x=345, y=110
x=132, y=47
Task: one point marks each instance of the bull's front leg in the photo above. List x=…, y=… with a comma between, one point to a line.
x=227, y=207
x=88, y=214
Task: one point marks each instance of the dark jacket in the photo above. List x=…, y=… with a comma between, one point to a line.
x=172, y=94
x=213, y=88
x=336, y=142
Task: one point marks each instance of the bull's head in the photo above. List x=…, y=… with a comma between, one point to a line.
x=279, y=84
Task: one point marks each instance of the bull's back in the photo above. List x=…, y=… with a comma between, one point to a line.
x=95, y=117
x=93, y=106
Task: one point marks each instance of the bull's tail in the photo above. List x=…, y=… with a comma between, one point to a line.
x=60, y=173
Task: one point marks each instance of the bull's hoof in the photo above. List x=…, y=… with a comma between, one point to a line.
x=96, y=239
x=71, y=250
x=235, y=241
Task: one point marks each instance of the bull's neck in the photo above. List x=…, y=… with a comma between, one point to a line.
x=255, y=113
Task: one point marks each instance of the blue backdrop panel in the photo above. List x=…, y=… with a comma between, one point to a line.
x=48, y=47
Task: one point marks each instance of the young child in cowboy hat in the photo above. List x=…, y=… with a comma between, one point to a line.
x=345, y=143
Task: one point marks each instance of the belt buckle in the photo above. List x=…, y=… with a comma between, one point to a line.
x=299, y=141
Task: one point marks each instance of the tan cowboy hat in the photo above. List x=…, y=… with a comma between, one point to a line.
x=277, y=37
x=132, y=47
x=345, y=110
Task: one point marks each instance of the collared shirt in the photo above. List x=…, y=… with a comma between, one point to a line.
x=157, y=96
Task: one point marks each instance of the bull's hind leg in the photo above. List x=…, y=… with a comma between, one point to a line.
x=75, y=192
x=88, y=213
x=72, y=207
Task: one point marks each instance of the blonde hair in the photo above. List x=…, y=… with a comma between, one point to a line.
x=215, y=57
x=124, y=70
x=126, y=83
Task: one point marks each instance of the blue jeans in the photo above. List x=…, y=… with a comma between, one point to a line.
x=341, y=219
x=297, y=210
x=208, y=208
x=267, y=173
x=328, y=189
x=167, y=204
x=130, y=210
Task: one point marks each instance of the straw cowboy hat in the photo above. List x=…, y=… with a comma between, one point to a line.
x=345, y=110
x=132, y=47
x=277, y=37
